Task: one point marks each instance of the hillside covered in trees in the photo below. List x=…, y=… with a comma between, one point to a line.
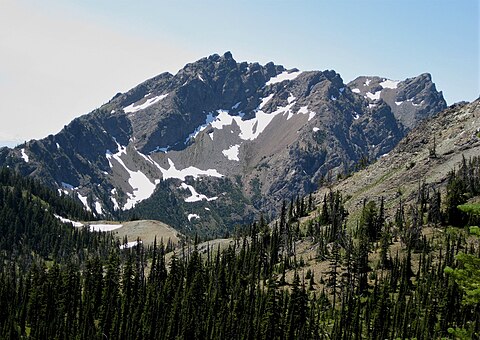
x=414, y=276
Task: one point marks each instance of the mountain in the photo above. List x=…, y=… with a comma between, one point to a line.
x=221, y=141
x=411, y=100
x=309, y=276
x=426, y=156
x=36, y=221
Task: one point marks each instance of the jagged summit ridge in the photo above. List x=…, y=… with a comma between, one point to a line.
x=224, y=140
x=417, y=92
x=197, y=90
x=427, y=154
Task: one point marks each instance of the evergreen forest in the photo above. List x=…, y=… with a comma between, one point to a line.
x=415, y=275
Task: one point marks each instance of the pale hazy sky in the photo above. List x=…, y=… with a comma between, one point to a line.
x=62, y=59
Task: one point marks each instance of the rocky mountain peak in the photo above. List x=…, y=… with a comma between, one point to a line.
x=224, y=140
x=411, y=100
x=456, y=134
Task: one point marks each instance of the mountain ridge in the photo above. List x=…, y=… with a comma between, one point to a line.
x=425, y=156
x=259, y=133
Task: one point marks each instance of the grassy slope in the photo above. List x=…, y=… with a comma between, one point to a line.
x=398, y=174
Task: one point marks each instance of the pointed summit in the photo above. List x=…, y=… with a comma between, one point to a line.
x=223, y=140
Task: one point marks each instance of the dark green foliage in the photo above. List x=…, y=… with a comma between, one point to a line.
x=223, y=215
x=371, y=221
x=333, y=215
x=28, y=225
x=228, y=294
x=96, y=291
x=462, y=185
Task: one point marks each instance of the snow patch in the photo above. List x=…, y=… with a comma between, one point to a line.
x=98, y=208
x=142, y=187
x=66, y=220
x=210, y=118
x=161, y=149
x=24, y=156
x=190, y=216
x=264, y=101
x=232, y=152
x=398, y=103
x=315, y=129
x=195, y=196
x=173, y=172
x=291, y=98
x=62, y=191
x=367, y=82
x=58, y=146
x=84, y=201
x=291, y=103
x=305, y=110
x=116, y=206
x=222, y=119
x=234, y=107
x=104, y=227
x=132, y=108
x=411, y=101
x=356, y=90
x=373, y=96
x=389, y=84
x=130, y=244
x=249, y=129
x=282, y=77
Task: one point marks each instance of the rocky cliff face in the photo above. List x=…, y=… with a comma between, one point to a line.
x=221, y=141
x=411, y=100
x=454, y=134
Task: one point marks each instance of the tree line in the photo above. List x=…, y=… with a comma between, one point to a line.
x=95, y=290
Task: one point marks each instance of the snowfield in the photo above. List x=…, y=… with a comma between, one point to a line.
x=84, y=201
x=373, y=96
x=142, y=187
x=173, y=172
x=195, y=196
x=389, y=84
x=282, y=77
x=24, y=156
x=104, y=227
x=113, y=199
x=232, y=152
x=134, y=107
x=98, y=208
x=66, y=220
x=130, y=244
x=210, y=118
x=304, y=110
x=190, y=216
x=250, y=129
